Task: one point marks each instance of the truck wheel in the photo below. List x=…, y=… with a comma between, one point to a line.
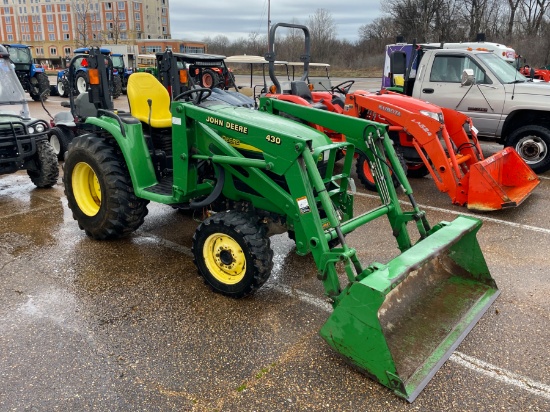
x=40, y=84
x=81, y=83
x=47, y=171
x=99, y=189
x=532, y=144
x=233, y=254
x=209, y=78
x=63, y=87
x=59, y=140
x=117, y=87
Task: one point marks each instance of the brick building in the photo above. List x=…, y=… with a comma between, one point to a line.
x=54, y=28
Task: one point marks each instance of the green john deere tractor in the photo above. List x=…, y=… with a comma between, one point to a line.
x=397, y=322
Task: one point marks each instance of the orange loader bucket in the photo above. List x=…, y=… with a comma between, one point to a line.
x=500, y=181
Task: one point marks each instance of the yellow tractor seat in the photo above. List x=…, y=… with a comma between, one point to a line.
x=142, y=87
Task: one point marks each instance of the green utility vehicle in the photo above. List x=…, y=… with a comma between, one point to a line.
x=398, y=322
x=23, y=140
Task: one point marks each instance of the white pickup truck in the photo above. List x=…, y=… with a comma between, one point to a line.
x=502, y=103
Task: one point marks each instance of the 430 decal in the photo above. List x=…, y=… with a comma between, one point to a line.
x=273, y=139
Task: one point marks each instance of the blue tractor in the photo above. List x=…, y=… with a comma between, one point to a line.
x=81, y=81
x=33, y=79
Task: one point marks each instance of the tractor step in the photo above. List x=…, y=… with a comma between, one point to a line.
x=163, y=187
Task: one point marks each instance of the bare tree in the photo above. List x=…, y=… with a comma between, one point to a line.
x=323, y=34
x=85, y=16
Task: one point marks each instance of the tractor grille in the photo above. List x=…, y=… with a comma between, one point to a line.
x=15, y=143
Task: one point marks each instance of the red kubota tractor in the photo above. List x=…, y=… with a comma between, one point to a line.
x=430, y=139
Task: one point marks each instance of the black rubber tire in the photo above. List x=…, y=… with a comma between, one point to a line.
x=120, y=211
x=532, y=143
x=209, y=79
x=59, y=138
x=47, y=169
x=40, y=84
x=417, y=170
x=251, y=240
x=117, y=87
x=367, y=179
x=80, y=75
x=63, y=87
x=363, y=173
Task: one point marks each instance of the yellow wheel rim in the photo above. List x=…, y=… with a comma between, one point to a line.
x=224, y=258
x=86, y=189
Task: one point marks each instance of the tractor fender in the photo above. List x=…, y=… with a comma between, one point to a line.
x=133, y=147
x=64, y=119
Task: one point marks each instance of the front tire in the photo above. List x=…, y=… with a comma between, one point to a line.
x=59, y=140
x=99, y=189
x=233, y=254
x=532, y=144
x=81, y=83
x=47, y=171
x=63, y=87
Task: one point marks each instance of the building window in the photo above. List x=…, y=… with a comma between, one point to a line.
x=48, y=8
x=49, y=18
x=65, y=27
x=108, y=6
x=66, y=36
x=50, y=27
x=53, y=51
x=121, y=5
x=10, y=37
x=137, y=16
x=64, y=17
x=38, y=37
x=67, y=51
x=62, y=7
x=138, y=26
x=40, y=50
x=8, y=29
x=122, y=16
x=122, y=26
x=109, y=16
x=136, y=6
x=8, y=19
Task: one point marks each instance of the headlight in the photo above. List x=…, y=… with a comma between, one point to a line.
x=433, y=115
x=40, y=128
x=31, y=130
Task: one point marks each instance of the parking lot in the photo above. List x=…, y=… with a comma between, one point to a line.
x=129, y=325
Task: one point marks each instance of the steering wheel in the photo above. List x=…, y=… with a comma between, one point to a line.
x=343, y=87
x=201, y=92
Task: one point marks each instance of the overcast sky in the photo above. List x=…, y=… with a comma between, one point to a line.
x=237, y=18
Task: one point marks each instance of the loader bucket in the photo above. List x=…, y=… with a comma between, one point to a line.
x=401, y=322
x=500, y=181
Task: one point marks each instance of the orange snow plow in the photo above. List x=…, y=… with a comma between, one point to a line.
x=433, y=140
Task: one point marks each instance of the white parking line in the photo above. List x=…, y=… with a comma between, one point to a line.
x=481, y=217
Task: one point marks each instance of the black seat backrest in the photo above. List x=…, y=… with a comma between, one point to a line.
x=300, y=88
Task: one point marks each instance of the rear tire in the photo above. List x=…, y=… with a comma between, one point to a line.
x=99, y=189
x=532, y=144
x=365, y=175
x=209, y=79
x=417, y=170
x=117, y=87
x=47, y=170
x=40, y=84
x=232, y=253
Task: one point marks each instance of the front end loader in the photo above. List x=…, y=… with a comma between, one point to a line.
x=397, y=321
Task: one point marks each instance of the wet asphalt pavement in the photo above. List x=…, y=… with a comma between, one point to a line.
x=128, y=325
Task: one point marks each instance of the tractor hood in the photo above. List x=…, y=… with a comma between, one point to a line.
x=272, y=125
